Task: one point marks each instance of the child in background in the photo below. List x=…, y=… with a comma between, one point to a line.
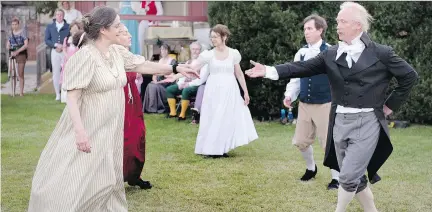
x=68, y=49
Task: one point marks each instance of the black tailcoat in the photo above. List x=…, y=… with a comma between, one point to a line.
x=362, y=86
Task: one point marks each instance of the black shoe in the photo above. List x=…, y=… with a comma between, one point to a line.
x=144, y=184
x=170, y=116
x=375, y=179
x=195, y=116
x=181, y=118
x=309, y=174
x=334, y=184
x=216, y=156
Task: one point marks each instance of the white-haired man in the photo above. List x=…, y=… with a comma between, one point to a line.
x=359, y=72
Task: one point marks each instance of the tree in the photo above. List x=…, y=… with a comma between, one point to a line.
x=260, y=30
x=406, y=26
x=45, y=7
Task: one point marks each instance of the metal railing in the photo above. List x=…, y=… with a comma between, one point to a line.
x=41, y=62
x=165, y=18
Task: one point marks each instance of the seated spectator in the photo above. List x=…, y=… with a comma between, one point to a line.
x=155, y=100
x=186, y=87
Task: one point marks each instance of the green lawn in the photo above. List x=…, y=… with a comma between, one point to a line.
x=4, y=77
x=262, y=176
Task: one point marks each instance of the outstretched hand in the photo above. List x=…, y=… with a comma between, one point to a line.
x=187, y=71
x=258, y=70
x=168, y=79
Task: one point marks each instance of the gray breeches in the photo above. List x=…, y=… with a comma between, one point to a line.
x=355, y=137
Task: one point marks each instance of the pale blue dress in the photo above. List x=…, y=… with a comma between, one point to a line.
x=132, y=26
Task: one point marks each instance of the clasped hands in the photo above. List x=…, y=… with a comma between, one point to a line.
x=187, y=71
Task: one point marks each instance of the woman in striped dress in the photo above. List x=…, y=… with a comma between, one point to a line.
x=81, y=166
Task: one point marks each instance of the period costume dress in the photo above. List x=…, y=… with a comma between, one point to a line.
x=225, y=121
x=134, y=132
x=67, y=179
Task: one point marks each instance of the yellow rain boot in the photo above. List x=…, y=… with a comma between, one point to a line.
x=172, y=106
x=184, y=107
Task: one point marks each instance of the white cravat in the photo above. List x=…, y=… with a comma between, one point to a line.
x=353, y=51
x=59, y=25
x=310, y=52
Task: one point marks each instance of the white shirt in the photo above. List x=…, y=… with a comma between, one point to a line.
x=59, y=25
x=72, y=15
x=293, y=87
x=353, y=50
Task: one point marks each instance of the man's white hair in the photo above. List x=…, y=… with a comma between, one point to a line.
x=361, y=14
x=198, y=44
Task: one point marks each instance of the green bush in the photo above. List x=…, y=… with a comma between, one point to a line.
x=272, y=32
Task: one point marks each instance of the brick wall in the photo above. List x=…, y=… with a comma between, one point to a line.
x=86, y=6
x=197, y=8
x=35, y=38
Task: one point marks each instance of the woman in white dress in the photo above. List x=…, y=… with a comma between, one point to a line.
x=225, y=122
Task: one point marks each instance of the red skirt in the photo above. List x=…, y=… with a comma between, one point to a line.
x=134, y=132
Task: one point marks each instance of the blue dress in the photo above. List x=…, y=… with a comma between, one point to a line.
x=132, y=26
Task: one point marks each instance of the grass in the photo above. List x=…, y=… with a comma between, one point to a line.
x=262, y=176
x=4, y=77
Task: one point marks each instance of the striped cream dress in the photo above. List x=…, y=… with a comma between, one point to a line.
x=70, y=180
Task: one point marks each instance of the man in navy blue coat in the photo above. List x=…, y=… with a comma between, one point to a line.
x=55, y=33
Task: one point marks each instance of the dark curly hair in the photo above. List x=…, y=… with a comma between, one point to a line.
x=100, y=17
